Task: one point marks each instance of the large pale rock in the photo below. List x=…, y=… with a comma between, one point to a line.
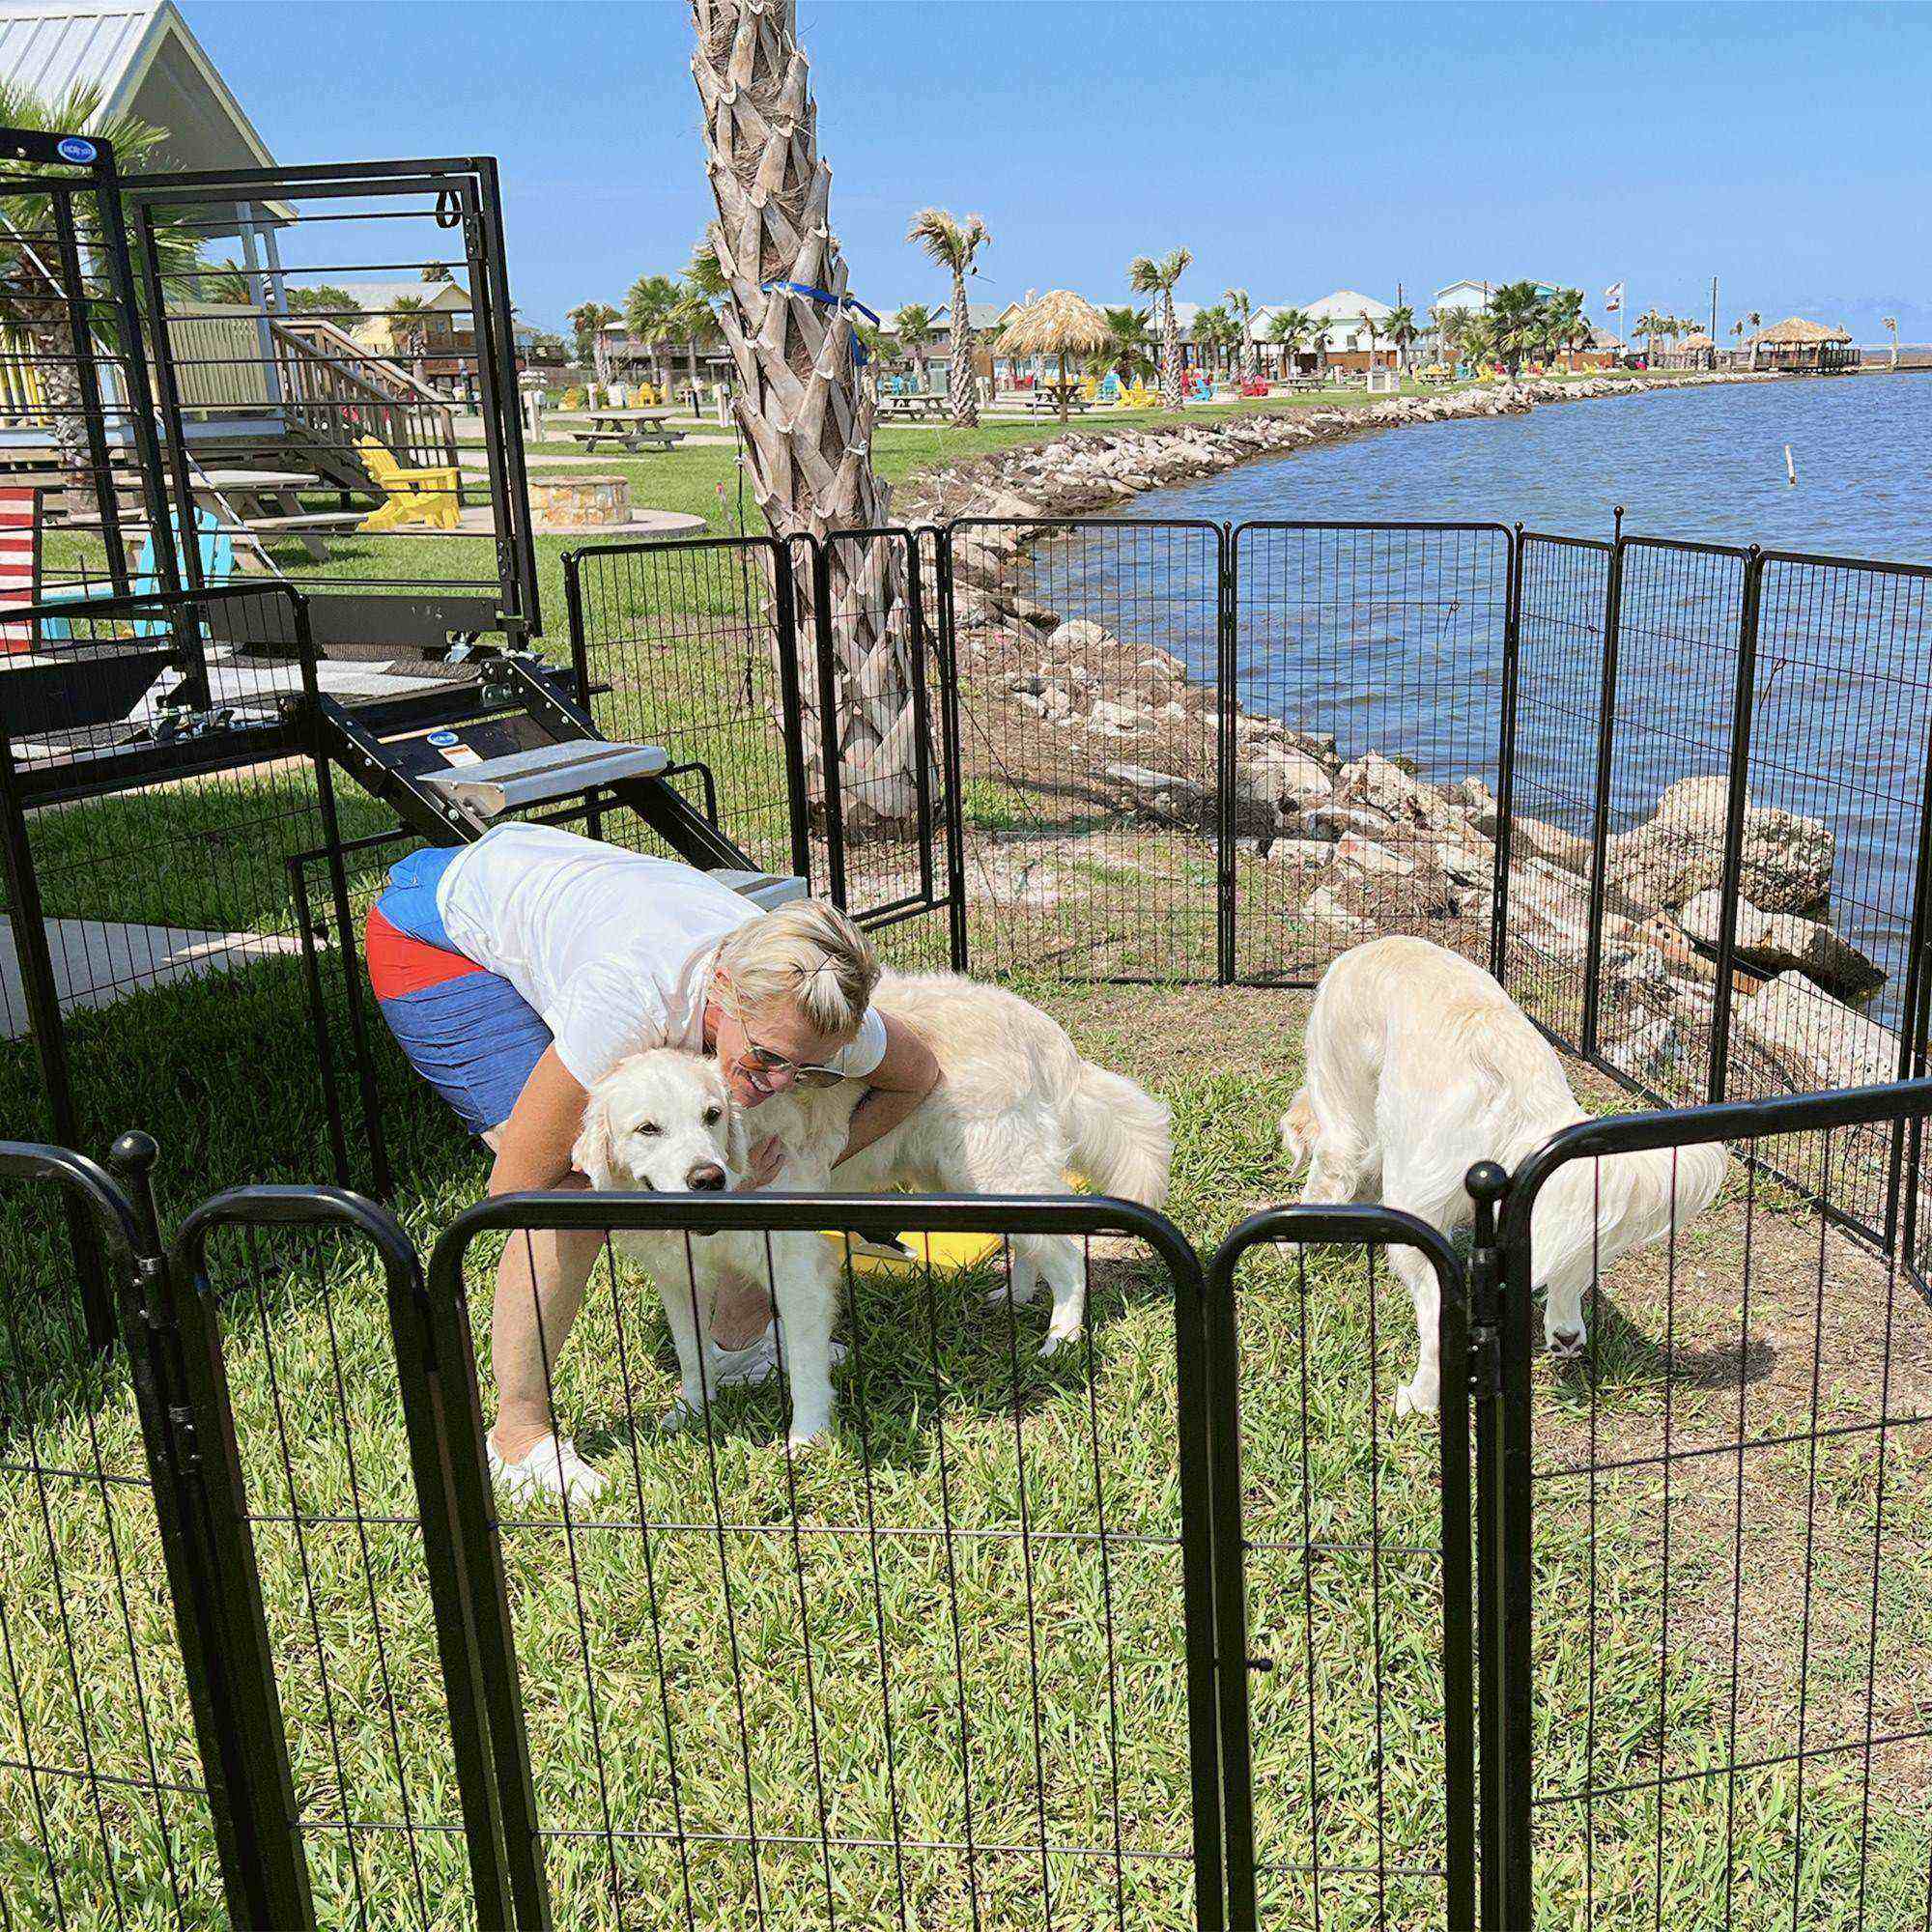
x=1290, y=782
x=1383, y=786
x=1532, y=839
x=1078, y=634
x=1786, y=859
x=1778, y=942
x=1809, y=1040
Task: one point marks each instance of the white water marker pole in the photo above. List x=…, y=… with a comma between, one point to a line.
x=1790, y=467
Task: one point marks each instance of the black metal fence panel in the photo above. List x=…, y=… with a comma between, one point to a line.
x=691, y=645
x=1368, y=665
x=1344, y=1552
x=157, y=929
x=952, y=1664
x=1556, y=730
x=1719, y=1537
x=105, y=1813
x=313, y=1366
x=1089, y=661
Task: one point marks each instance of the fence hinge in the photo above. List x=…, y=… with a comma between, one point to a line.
x=1486, y=1363
x=189, y=1443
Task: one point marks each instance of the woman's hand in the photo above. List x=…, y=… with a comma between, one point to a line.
x=767, y=1158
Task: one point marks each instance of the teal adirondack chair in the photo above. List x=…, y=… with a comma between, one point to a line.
x=217, y=548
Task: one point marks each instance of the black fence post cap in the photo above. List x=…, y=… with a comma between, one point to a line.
x=134, y=1153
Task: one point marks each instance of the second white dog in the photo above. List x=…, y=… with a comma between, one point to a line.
x=1016, y=1107
x=1418, y=1067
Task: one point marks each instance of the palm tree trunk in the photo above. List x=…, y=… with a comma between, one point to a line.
x=965, y=392
x=51, y=345
x=806, y=419
x=1170, y=354
x=1251, y=363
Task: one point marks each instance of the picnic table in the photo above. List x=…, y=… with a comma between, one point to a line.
x=914, y=409
x=269, y=502
x=1048, y=397
x=630, y=429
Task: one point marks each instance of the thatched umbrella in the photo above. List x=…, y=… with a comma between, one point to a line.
x=1060, y=325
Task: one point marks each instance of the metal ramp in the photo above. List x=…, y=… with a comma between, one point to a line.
x=453, y=760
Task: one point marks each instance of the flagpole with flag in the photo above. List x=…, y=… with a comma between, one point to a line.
x=1613, y=302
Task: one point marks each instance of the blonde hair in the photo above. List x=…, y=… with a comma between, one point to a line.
x=807, y=956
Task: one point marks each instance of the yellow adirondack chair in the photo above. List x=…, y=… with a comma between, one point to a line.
x=427, y=497
x=1141, y=397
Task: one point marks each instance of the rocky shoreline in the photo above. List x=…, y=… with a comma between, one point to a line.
x=1353, y=847
x=1086, y=472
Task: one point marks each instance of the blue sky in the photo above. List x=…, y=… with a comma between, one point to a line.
x=1294, y=149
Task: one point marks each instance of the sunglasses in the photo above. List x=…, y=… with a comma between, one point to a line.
x=762, y=1060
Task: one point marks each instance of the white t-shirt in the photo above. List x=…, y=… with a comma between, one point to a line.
x=612, y=949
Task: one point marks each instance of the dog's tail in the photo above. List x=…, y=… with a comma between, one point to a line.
x=1298, y=1132
x=1123, y=1137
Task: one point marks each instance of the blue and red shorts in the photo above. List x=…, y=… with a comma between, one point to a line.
x=465, y=1030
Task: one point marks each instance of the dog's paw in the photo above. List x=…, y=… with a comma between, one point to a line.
x=1057, y=1340
x=679, y=1418
x=1411, y=1399
x=800, y=1441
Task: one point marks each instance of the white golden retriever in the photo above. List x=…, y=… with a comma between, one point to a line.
x=1016, y=1107
x=1418, y=1067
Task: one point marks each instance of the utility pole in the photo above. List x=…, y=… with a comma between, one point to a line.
x=1714, y=309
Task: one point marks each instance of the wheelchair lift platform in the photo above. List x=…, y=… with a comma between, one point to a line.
x=451, y=761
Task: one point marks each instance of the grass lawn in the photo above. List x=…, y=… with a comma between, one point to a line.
x=1051, y=1667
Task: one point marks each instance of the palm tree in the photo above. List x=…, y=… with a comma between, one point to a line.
x=1242, y=308
x=588, y=320
x=408, y=319
x=1479, y=341
x=1149, y=278
x=803, y=413
x=1890, y=324
x=1403, y=331
x=1130, y=350
x=1568, y=324
x=1371, y=328
x=437, y=271
x=1516, y=318
x=1754, y=321
x=912, y=327
x=952, y=243
x=1215, y=332
x=1650, y=326
x=1292, y=327
x=33, y=300
x=652, y=318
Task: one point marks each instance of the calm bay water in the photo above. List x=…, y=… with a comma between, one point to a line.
x=1392, y=643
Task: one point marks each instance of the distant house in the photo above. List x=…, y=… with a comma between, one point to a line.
x=1344, y=320
x=1803, y=348
x=441, y=342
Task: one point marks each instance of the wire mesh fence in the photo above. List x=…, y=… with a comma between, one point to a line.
x=947, y=1666
x=1089, y=664
x=1368, y=665
x=105, y=1815
x=1728, y=1594
x=1346, y=1534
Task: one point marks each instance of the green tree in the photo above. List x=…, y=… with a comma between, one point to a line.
x=1147, y=276
x=1240, y=305
x=1516, y=314
x=953, y=244
x=1215, y=333
x=1569, y=325
x=588, y=320
x=437, y=271
x=912, y=327
x=654, y=319
x=408, y=319
x=1650, y=325
x=1293, y=328
x=1401, y=331
x=1131, y=349
x=1890, y=325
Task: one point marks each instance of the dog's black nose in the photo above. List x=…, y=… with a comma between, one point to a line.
x=1567, y=1342
x=706, y=1178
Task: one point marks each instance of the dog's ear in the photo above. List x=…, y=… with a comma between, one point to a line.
x=595, y=1151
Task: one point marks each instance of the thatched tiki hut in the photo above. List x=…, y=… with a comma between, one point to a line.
x=1803, y=348
x=1060, y=325
x=1694, y=352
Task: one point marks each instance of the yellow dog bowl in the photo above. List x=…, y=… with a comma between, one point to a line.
x=924, y=1248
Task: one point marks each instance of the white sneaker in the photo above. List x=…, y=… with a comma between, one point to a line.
x=550, y=1468
x=758, y=1361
